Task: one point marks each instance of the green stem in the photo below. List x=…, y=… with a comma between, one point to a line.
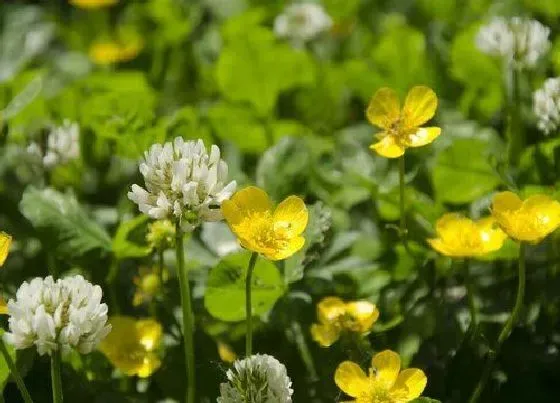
x=188, y=317
x=248, y=306
x=402, y=200
x=506, y=331
x=15, y=373
x=56, y=380
x=304, y=351
x=110, y=280
x=516, y=140
x=470, y=297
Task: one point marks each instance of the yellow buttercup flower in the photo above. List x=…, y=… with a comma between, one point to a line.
x=3, y=306
x=5, y=243
x=226, y=353
x=401, y=127
x=386, y=383
x=148, y=284
x=276, y=234
x=93, y=3
x=131, y=346
x=114, y=52
x=459, y=236
x=529, y=220
x=336, y=316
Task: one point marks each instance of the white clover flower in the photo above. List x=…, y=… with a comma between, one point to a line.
x=183, y=181
x=519, y=41
x=302, y=22
x=57, y=315
x=260, y=378
x=63, y=144
x=546, y=105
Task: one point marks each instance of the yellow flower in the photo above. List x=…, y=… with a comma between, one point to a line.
x=131, y=345
x=530, y=220
x=5, y=243
x=276, y=234
x=401, y=127
x=459, y=236
x=3, y=306
x=161, y=234
x=148, y=285
x=114, y=52
x=385, y=382
x=226, y=353
x=336, y=316
x=93, y=3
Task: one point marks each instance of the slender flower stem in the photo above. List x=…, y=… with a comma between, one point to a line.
x=516, y=140
x=248, y=306
x=188, y=317
x=56, y=379
x=506, y=330
x=402, y=200
x=470, y=297
x=15, y=373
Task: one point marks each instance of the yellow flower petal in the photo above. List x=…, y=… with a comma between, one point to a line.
x=439, y=246
x=3, y=306
x=291, y=247
x=410, y=384
x=351, y=379
x=226, y=353
x=149, y=333
x=505, y=201
x=364, y=313
x=244, y=203
x=384, y=108
x=330, y=309
x=388, y=147
x=419, y=107
x=290, y=217
x=325, y=334
x=423, y=136
x=93, y=3
x=387, y=365
x=150, y=363
x=493, y=237
x=5, y=243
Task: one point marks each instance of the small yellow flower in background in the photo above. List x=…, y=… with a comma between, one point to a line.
x=5, y=243
x=131, y=346
x=226, y=353
x=276, y=234
x=336, y=316
x=93, y=3
x=530, y=220
x=459, y=236
x=401, y=127
x=386, y=383
x=148, y=284
x=111, y=52
x=161, y=234
x=3, y=306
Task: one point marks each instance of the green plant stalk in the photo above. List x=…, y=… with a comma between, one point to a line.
x=402, y=200
x=470, y=296
x=15, y=373
x=188, y=317
x=56, y=379
x=110, y=280
x=506, y=330
x=515, y=133
x=248, y=305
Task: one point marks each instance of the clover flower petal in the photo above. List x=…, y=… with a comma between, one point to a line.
x=302, y=22
x=546, y=105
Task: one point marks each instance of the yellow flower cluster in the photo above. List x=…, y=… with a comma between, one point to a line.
x=132, y=345
x=148, y=282
x=111, y=52
x=336, y=316
x=274, y=233
x=385, y=383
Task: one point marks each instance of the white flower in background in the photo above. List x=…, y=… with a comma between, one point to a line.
x=183, y=181
x=519, y=41
x=302, y=22
x=546, y=105
x=57, y=315
x=260, y=378
x=63, y=146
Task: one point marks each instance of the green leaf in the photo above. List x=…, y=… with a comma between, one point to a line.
x=65, y=219
x=463, y=173
x=122, y=247
x=255, y=68
x=24, y=98
x=4, y=369
x=225, y=292
x=425, y=400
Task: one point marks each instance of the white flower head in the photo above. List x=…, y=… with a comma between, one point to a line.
x=63, y=144
x=521, y=42
x=546, y=105
x=183, y=181
x=260, y=378
x=302, y=22
x=66, y=314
